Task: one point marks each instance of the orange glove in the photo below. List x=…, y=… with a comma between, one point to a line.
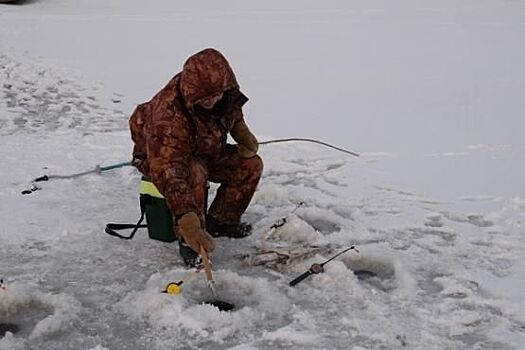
x=189, y=227
x=248, y=144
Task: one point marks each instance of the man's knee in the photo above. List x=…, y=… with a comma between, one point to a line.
x=255, y=165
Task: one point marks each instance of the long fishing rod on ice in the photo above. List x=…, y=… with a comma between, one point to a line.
x=100, y=169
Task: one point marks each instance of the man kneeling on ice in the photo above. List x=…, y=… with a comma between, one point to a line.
x=180, y=144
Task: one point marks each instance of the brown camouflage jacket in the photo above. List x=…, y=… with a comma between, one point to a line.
x=168, y=131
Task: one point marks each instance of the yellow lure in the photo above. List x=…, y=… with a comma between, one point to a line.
x=173, y=288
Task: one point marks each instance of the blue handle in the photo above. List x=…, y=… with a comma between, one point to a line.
x=114, y=166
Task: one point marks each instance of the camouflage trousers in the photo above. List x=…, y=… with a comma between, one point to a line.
x=238, y=178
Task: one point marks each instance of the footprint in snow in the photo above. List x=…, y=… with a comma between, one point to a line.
x=479, y=220
x=434, y=220
x=474, y=219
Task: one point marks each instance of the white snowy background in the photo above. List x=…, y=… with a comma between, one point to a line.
x=429, y=92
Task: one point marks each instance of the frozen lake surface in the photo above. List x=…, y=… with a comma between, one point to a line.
x=430, y=95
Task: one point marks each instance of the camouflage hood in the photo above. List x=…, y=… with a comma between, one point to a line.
x=205, y=74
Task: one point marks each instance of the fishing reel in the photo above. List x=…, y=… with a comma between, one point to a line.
x=173, y=288
x=318, y=268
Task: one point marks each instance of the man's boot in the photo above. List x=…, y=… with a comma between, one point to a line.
x=218, y=229
x=191, y=258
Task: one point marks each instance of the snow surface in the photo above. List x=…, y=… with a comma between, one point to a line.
x=429, y=92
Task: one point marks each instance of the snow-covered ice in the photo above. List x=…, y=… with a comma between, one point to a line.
x=430, y=94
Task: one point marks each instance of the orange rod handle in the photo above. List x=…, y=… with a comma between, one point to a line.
x=206, y=262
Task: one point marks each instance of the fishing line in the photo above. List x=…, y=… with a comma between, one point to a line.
x=309, y=140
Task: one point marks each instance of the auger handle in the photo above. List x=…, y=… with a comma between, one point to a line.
x=300, y=278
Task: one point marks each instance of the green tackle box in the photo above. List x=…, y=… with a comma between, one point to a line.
x=158, y=216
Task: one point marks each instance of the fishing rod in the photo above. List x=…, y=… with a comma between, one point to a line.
x=100, y=169
x=279, y=223
x=97, y=170
x=220, y=304
x=174, y=288
x=318, y=268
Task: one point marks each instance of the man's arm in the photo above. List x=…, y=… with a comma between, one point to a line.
x=169, y=155
x=248, y=144
x=136, y=126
